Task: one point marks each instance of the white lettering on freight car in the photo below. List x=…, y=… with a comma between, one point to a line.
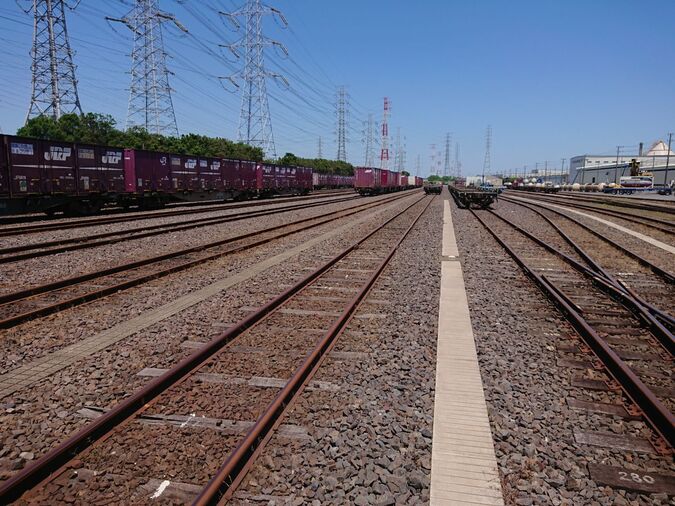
x=19, y=148
x=57, y=154
x=111, y=157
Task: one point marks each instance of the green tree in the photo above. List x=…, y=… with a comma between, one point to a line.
x=93, y=128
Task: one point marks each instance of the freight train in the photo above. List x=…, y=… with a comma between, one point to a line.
x=331, y=181
x=371, y=181
x=50, y=176
x=534, y=185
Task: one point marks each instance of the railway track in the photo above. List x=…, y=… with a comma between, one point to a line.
x=643, y=204
x=665, y=226
x=295, y=330
x=34, y=250
x=34, y=302
x=652, y=285
x=106, y=220
x=632, y=346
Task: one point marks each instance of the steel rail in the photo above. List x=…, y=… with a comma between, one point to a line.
x=38, y=216
x=662, y=334
x=102, y=292
x=86, y=242
x=92, y=222
x=657, y=270
x=613, y=201
x=240, y=460
x=66, y=451
x=655, y=223
x=658, y=313
x=655, y=412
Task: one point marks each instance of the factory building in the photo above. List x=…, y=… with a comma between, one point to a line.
x=658, y=160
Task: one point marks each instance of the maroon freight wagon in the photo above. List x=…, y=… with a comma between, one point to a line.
x=280, y=180
x=148, y=171
x=50, y=176
x=367, y=180
x=100, y=169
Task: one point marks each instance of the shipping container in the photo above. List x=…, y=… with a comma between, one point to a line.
x=210, y=175
x=100, y=169
x=4, y=169
x=148, y=171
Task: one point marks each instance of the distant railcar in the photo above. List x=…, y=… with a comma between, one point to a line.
x=49, y=176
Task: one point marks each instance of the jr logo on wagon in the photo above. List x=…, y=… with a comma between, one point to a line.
x=57, y=154
x=111, y=157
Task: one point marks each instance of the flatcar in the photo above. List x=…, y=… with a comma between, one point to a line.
x=50, y=176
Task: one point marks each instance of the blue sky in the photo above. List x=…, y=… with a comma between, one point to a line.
x=554, y=78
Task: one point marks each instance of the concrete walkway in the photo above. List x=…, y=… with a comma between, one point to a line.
x=463, y=462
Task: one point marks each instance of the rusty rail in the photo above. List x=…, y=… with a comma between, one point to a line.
x=655, y=412
x=608, y=285
x=102, y=292
x=214, y=206
x=92, y=241
x=59, y=456
x=240, y=460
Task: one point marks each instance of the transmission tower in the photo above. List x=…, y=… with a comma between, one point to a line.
x=341, y=112
x=369, y=142
x=320, y=150
x=434, y=168
x=448, y=142
x=488, y=147
x=255, y=124
x=384, y=152
x=54, y=87
x=397, y=154
x=418, y=164
x=150, y=105
x=458, y=164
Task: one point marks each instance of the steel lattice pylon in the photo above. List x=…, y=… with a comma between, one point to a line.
x=488, y=148
x=150, y=104
x=255, y=124
x=341, y=124
x=369, y=142
x=54, y=87
x=446, y=165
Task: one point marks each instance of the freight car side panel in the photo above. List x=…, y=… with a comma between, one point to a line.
x=303, y=178
x=184, y=173
x=58, y=160
x=250, y=176
x=366, y=177
x=25, y=169
x=100, y=169
x=146, y=171
x=4, y=167
x=210, y=177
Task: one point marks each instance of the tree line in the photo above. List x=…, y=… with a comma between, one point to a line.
x=94, y=128
x=101, y=129
x=320, y=165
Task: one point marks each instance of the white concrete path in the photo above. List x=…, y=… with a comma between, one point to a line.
x=463, y=463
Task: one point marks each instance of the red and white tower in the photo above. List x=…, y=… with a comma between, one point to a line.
x=384, y=154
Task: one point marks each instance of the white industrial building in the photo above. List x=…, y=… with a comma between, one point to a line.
x=658, y=160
